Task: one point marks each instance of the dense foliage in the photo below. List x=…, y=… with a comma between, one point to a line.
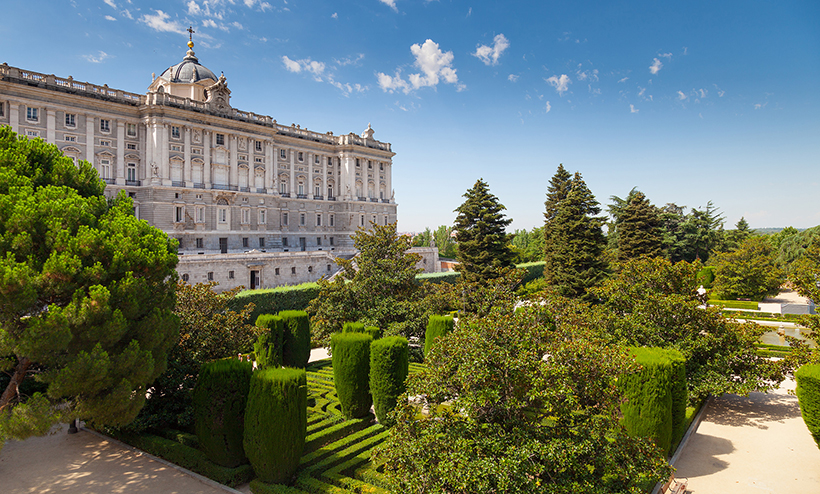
x=295, y=338
x=749, y=271
x=389, y=366
x=808, y=393
x=483, y=247
x=639, y=233
x=208, y=330
x=86, y=294
x=558, y=189
x=437, y=327
x=517, y=404
x=275, y=300
x=351, y=372
x=442, y=238
x=270, y=343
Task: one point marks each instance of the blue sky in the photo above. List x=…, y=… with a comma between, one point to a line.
x=688, y=101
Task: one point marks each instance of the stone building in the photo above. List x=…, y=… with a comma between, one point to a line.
x=218, y=179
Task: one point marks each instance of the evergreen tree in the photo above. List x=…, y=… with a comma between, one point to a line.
x=672, y=219
x=483, y=247
x=702, y=233
x=616, y=210
x=736, y=237
x=639, y=233
x=560, y=183
x=577, y=242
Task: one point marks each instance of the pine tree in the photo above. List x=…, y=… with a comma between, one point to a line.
x=556, y=192
x=639, y=233
x=577, y=242
x=483, y=247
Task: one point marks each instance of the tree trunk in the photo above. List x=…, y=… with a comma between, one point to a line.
x=12, y=389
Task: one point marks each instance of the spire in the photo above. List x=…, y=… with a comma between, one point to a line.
x=189, y=55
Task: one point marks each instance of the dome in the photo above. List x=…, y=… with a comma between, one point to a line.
x=188, y=71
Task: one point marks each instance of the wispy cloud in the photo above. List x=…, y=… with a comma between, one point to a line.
x=632, y=109
x=350, y=60
x=194, y=8
x=306, y=65
x=435, y=65
x=512, y=78
x=391, y=4
x=334, y=16
x=258, y=4
x=583, y=75
x=109, y=18
x=111, y=4
x=656, y=66
x=624, y=79
x=490, y=54
x=720, y=92
x=160, y=22
x=561, y=84
x=98, y=58
x=548, y=107
x=682, y=96
x=758, y=106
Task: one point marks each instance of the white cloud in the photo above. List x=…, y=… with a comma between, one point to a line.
x=237, y=25
x=111, y=3
x=667, y=56
x=435, y=66
x=98, y=58
x=758, y=106
x=291, y=65
x=470, y=12
x=682, y=96
x=624, y=79
x=335, y=15
x=262, y=5
x=685, y=50
x=632, y=109
x=655, y=67
x=160, y=22
x=490, y=54
x=127, y=14
x=548, y=107
x=592, y=75
x=390, y=3
x=194, y=8
x=720, y=92
x=350, y=60
x=561, y=84
x=307, y=65
x=641, y=90
x=702, y=92
x=512, y=78
x=109, y=18
x=209, y=23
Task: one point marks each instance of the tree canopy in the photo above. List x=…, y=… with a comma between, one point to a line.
x=87, y=293
x=557, y=191
x=749, y=271
x=483, y=247
x=639, y=233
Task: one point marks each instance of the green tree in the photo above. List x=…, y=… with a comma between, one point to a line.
x=208, y=330
x=444, y=240
x=528, y=245
x=749, y=271
x=87, y=294
x=483, y=247
x=702, y=233
x=377, y=288
x=577, y=243
x=616, y=209
x=423, y=239
x=673, y=218
x=503, y=418
x=639, y=233
x=739, y=234
x=559, y=187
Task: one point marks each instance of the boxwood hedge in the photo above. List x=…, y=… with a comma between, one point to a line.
x=808, y=395
x=268, y=346
x=296, y=339
x=437, y=326
x=351, y=371
x=389, y=366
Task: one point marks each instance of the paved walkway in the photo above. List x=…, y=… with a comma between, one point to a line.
x=751, y=444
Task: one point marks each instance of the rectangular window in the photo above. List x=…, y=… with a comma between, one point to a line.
x=262, y=242
x=362, y=220
x=258, y=146
x=105, y=168
x=175, y=132
x=230, y=275
x=293, y=270
x=222, y=215
x=317, y=190
x=284, y=241
x=257, y=160
x=358, y=164
x=176, y=147
x=32, y=114
x=331, y=220
x=283, y=154
x=330, y=162
x=2, y=109
x=245, y=242
x=70, y=139
x=106, y=144
x=331, y=240
x=263, y=217
x=199, y=243
x=210, y=275
x=105, y=125
x=319, y=241
x=284, y=219
x=70, y=120
x=301, y=156
x=318, y=220
x=131, y=146
x=196, y=151
x=200, y=214
x=32, y=133
x=276, y=271
x=220, y=139
x=246, y=216
x=178, y=217
x=131, y=130
x=385, y=220
x=302, y=219
x=131, y=172
x=317, y=159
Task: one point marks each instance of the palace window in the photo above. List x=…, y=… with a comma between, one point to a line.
x=131, y=146
x=317, y=159
x=246, y=216
x=362, y=220
x=176, y=147
x=262, y=242
x=32, y=114
x=284, y=241
x=210, y=275
x=185, y=277
x=263, y=217
x=283, y=154
x=284, y=219
x=179, y=214
x=301, y=188
x=257, y=160
x=175, y=132
x=200, y=214
x=230, y=275
x=369, y=165
x=302, y=219
x=300, y=156
x=199, y=243
x=293, y=270
x=131, y=130
x=70, y=120
x=331, y=240
x=276, y=271
x=70, y=138
x=258, y=146
x=283, y=187
x=319, y=241
x=381, y=166
x=105, y=168
x=220, y=139
x=33, y=133
x=317, y=190
x=131, y=171
x=222, y=215
x=318, y=220
x=331, y=220
x=357, y=163
x=106, y=144
x=105, y=125
x=245, y=242
x=330, y=162
x=330, y=191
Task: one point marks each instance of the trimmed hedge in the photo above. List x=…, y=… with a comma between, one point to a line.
x=437, y=326
x=650, y=410
x=351, y=370
x=735, y=304
x=353, y=327
x=374, y=331
x=259, y=487
x=296, y=339
x=275, y=300
x=808, y=395
x=389, y=366
x=268, y=346
x=276, y=423
x=219, y=399
x=450, y=277
x=535, y=270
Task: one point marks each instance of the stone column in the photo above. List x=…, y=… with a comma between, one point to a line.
x=144, y=164
x=324, y=177
x=150, y=153
x=119, y=175
x=14, y=116
x=292, y=154
x=165, y=166
x=206, y=167
x=186, y=171
x=51, y=136
x=89, y=138
x=309, y=181
x=234, y=160
x=388, y=181
x=270, y=169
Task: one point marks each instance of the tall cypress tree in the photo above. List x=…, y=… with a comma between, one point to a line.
x=577, y=242
x=483, y=248
x=639, y=233
x=560, y=183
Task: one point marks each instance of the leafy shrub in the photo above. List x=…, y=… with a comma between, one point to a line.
x=275, y=300
x=276, y=423
x=351, y=370
x=808, y=394
x=389, y=366
x=535, y=270
x=296, y=340
x=655, y=405
x=436, y=327
x=219, y=410
x=706, y=276
x=353, y=327
x=268, y=346
x=374, y=331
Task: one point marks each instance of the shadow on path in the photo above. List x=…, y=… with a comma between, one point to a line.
x=756, y=410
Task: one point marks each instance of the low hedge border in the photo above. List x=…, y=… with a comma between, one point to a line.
x=735, y=304
x=808, y=395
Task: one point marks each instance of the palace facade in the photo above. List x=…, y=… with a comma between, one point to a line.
x=218, y=179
